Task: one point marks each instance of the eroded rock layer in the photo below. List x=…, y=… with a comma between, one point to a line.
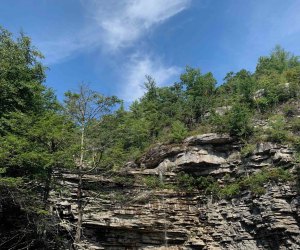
x=123, y=213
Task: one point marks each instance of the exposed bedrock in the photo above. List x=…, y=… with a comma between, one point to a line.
x=123, y=216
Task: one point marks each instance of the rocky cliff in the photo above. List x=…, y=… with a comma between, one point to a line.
x=143, y=208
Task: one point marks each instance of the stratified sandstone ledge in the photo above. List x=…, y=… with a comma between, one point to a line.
x=153, y=219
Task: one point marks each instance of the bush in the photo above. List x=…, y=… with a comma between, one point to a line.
x=124, y=180
x=247, y=149
x=298, y=179
x=185, y=182
x=214, y=189
x=277, y=131
x=279, y=174
x=178, y=131
x=257, y=181
x=153, y=182
x=295, y=124
x=230, y=190
x=296, y=144
x=237, y=121
x=289, y=110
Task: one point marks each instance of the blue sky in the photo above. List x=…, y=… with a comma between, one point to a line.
x=113, y=44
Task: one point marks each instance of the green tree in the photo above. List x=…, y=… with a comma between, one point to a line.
x=237, y=121
x=178, y=131
x=199, y=90
x=21, y=75
x=278, y=61
x=29, y=144
x=239, y=86
x=85, y=108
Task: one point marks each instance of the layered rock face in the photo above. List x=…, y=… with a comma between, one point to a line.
x=123, y=213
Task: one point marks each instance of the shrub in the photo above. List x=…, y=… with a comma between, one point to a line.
x=153, y=182
x=295, y=124
x=277, y=131
x=230, y=190
x=289, y=110
x=279, y=174
x=124, y=180
x=247, y=149
x=296, y=144
x=178, y=131
x=10, y=182
x=237, y=121
x=213, y=189
x=257, y=181
x=185, y=182
x=298, y=179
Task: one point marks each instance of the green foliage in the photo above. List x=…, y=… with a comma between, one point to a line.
x=153, y=182
x=124, y=180
x=185, y=182
x=278, y=61
x=289, y=110
x=257, y=181
x=238, y=86
x=178, y=131
x=295, y=124
x=21, y=75
x=189, y=183
x=38, y=135
x=237, y=121
x=230, y=190
x=10, y=182
x=199, y=90
x=277, y=131
x=38, y=143
x=3, y=170
x=248, y=149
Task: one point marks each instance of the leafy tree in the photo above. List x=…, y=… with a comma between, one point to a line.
x=238, y=86
x=30, y=144
x=278, y=61
x=178, y=131
x=199, y=90
x=237, y=121
x=85, y=108
x=36, y=145
x=21, y=75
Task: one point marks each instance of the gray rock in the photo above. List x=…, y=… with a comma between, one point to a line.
x=211, y=138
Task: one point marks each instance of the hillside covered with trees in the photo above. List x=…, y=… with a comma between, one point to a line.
x=92, y=133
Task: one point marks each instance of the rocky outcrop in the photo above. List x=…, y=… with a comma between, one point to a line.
x=211, y=138
x=130, y=215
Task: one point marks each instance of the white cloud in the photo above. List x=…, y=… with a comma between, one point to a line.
x=56, y=51
x=132, y=18
x=112, y=25
x=139, y=66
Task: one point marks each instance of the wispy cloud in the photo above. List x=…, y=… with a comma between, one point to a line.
x=117, y=27
x=139, y=66
x=112, y=25
x=123, y=22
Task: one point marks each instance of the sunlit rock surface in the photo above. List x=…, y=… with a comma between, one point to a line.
x=133, y=216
